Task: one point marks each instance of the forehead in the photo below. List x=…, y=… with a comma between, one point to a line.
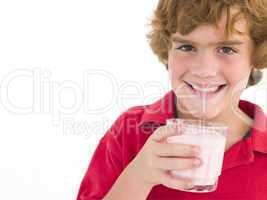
x=211, y=34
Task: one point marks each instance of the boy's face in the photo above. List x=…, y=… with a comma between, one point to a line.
x=208, y=77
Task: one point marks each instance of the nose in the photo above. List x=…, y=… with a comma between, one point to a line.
x=205, y=66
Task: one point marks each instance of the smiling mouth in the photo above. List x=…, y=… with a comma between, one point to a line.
x=205, y=91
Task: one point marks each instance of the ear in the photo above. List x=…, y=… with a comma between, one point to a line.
x=255, y=76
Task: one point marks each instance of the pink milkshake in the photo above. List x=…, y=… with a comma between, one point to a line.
x=211, y=137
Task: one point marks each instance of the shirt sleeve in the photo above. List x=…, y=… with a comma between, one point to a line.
x=104, y=168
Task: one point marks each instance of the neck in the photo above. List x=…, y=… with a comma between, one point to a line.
x=239, y=123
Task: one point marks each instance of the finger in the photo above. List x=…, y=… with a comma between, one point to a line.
x=178, y=150
x=175, y=183
x=166, y=131
x=166, y=163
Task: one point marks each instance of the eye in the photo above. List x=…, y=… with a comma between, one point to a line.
x=228, y=50
x=185, y=48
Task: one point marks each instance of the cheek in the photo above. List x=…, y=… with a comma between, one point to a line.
x=177, y=68
x=237, y=74
x=236, y=71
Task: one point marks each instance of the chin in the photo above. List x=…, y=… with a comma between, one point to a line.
x=210, y=114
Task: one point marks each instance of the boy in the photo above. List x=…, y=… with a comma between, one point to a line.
x=213, y=50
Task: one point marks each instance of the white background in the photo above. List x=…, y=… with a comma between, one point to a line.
x=68, y=69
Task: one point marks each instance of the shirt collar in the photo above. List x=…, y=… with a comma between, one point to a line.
x=157, y=113
x=259, y=128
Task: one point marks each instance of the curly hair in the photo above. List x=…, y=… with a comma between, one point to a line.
x=171, y=16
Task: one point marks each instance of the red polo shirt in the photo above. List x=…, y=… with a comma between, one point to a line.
x=244, y=172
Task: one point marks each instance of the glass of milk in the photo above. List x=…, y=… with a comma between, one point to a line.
x=211, y=137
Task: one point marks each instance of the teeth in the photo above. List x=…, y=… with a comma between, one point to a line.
x=211, y=89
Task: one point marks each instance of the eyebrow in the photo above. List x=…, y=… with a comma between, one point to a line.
x=227, y=42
